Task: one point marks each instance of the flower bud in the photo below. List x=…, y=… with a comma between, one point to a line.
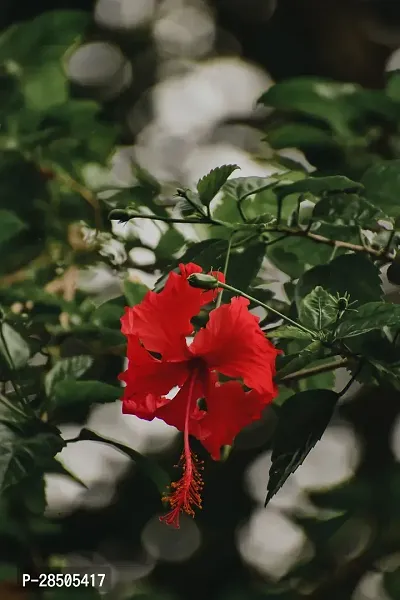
x=203, y=281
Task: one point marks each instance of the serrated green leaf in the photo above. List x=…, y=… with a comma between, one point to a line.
x=349, y=209
x=303, y=419
x=289, y=332
x=244, y=267
x=10, y=225
x=368, y=317
x=209, y=186
x=74, y=366
x=13, y=347
x=318, y=309
x=150, y=467
x=242, y=187
x=70, y=392
x=134, y=291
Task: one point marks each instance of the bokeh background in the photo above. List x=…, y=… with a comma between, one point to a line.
x=181, y=79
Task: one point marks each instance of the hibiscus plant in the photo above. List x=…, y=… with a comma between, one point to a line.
x=198, y=356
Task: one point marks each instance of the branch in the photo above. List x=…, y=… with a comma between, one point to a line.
x=303, y=373
x=320, y=239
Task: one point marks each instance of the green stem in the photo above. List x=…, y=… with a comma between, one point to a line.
x=228, y=253
x=304, y=373
x=269, y=308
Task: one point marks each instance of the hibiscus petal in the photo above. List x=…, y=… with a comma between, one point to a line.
x=229, y=409
x=233, y=344
x=163, y=320
x=148, y=380
x=174, y=413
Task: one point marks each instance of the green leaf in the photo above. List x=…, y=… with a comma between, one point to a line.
x=391, y=582
x=349, y=209
x=70, y=392
x=45, y=87
x=326, y=100
x=303, y=419
x=302, y=359
x=318, y=309
x=208, y=254
x=244, y=266
x=289, y=332
x=382, y=186
x=242, y=187
x=134, y=291
x=36, y=42
x=368, y=317
x=351, y=273
x=319, y=185
x=13, y=347
x=209, y=186
x=393, y=272
x=10, y=225
x=74, y=366
x=150, y=467
x=393, y=86
x=299, y=135
x=20, y=455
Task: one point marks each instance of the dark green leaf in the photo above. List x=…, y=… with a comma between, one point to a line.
x=243, y=267
x=150, y=467
x=209, y=186
x=13, y=347
x=242, y=187
x=382, y=186
x=134, y=291
x=74, y=366
x=326, y=100
x=349, y=209
x=208, y=254
x=393, y=86
x=391, y=582
x=70, y=392
x=299, y=135
x=368, y=317
x=20, y=455
x=351, y=273
x=318, y=309
x=393, y=272
x=10, y=225
x=303, y=419
x=319, y=185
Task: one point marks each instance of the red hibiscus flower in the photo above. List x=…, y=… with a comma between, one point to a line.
x=160, y=359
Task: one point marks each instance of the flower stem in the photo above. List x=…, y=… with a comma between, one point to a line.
x=228, y=253
x=269, y=308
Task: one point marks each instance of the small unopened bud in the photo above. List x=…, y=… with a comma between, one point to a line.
x=203, y=281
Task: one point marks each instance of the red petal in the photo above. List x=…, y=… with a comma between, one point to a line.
x=162, y=320
x=147, y=380
x=174, y=412
x=233, y=343
x=229, y=409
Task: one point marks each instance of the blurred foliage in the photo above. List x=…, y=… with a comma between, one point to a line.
x=61, y=348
